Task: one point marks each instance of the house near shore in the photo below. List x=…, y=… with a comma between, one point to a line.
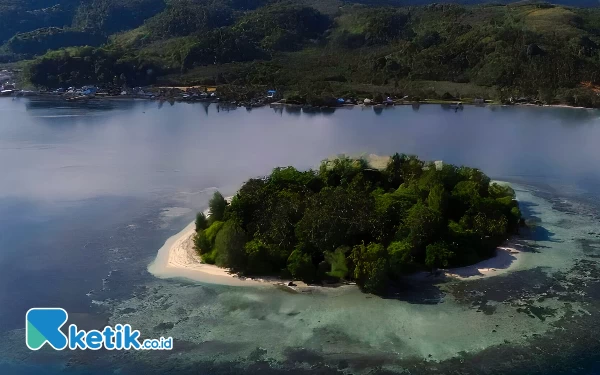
x=7, y=89
x=89, y=90
x=7, y=86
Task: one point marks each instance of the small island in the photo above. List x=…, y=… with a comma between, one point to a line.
x=355, y=221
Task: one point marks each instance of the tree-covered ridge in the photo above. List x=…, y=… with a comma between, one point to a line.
x=85, y=65
x=329, y=49
x=351, y=221
x=100, y=16
x=39, y=41
x=30, y=28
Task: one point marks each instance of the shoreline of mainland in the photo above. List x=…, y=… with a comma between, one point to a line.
x=300, y=106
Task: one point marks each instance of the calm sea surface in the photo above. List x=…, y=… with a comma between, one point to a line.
x=89, y=192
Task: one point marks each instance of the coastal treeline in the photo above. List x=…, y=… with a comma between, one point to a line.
x=350, y=221
x=316, y=51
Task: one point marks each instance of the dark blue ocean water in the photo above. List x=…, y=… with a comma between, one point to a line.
x=90, y=192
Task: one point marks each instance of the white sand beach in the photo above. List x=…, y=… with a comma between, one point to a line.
x=178, y=258
x=506, y=259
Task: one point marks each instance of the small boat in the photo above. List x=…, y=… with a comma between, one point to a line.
x=457, y=107
x=78, y=99
x=6, y=92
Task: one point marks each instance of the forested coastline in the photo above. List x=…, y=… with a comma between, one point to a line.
x=351, y=221
x=314, y=50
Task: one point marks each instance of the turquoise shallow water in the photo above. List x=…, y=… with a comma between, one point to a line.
x=90, y=194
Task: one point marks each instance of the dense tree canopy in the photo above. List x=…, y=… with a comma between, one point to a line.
x=185, y=17
x=38, y=42
x=354, y=222
x=87, y=65
x=319, y=51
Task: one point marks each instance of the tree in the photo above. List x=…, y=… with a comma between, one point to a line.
x=217, y=206
x=370, y=267
x=259, y=260
x=335, y=217
x=230, y=246
x=204, y=241
x=424, y=225
x=500, y=191
x=277, y=222
x=438, y=255
x=341, y=170
x=337, y=260
x=394, y=170
x=300, y=266
x=201, y=221
x=249, y=203
x=437, y=199
x=464, y=195
x=201, y=243
x=390, y=210
x=400, y=254
x=412, y=168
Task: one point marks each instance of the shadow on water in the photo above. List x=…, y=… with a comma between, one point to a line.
x=534, y=230
x=314, y=111
x=91, y=105
x=421, y=292
x=293, y=110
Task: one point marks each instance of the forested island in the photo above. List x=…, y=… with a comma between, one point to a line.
x=312, y=51
x=353, y=222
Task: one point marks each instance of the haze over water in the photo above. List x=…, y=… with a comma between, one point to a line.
x=90, y=192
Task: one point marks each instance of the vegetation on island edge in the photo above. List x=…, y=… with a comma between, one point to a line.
x=350, y=221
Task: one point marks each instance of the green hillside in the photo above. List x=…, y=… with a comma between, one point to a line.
x=317, y=49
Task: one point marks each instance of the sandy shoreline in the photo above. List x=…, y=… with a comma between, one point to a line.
x=177, y=258
x=506, y=259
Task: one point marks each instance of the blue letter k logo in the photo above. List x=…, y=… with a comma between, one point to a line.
x=42, y=325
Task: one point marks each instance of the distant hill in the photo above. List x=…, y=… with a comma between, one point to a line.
x=574, y=3
x=313, y=49
x=104, y=16
x=110, y=16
